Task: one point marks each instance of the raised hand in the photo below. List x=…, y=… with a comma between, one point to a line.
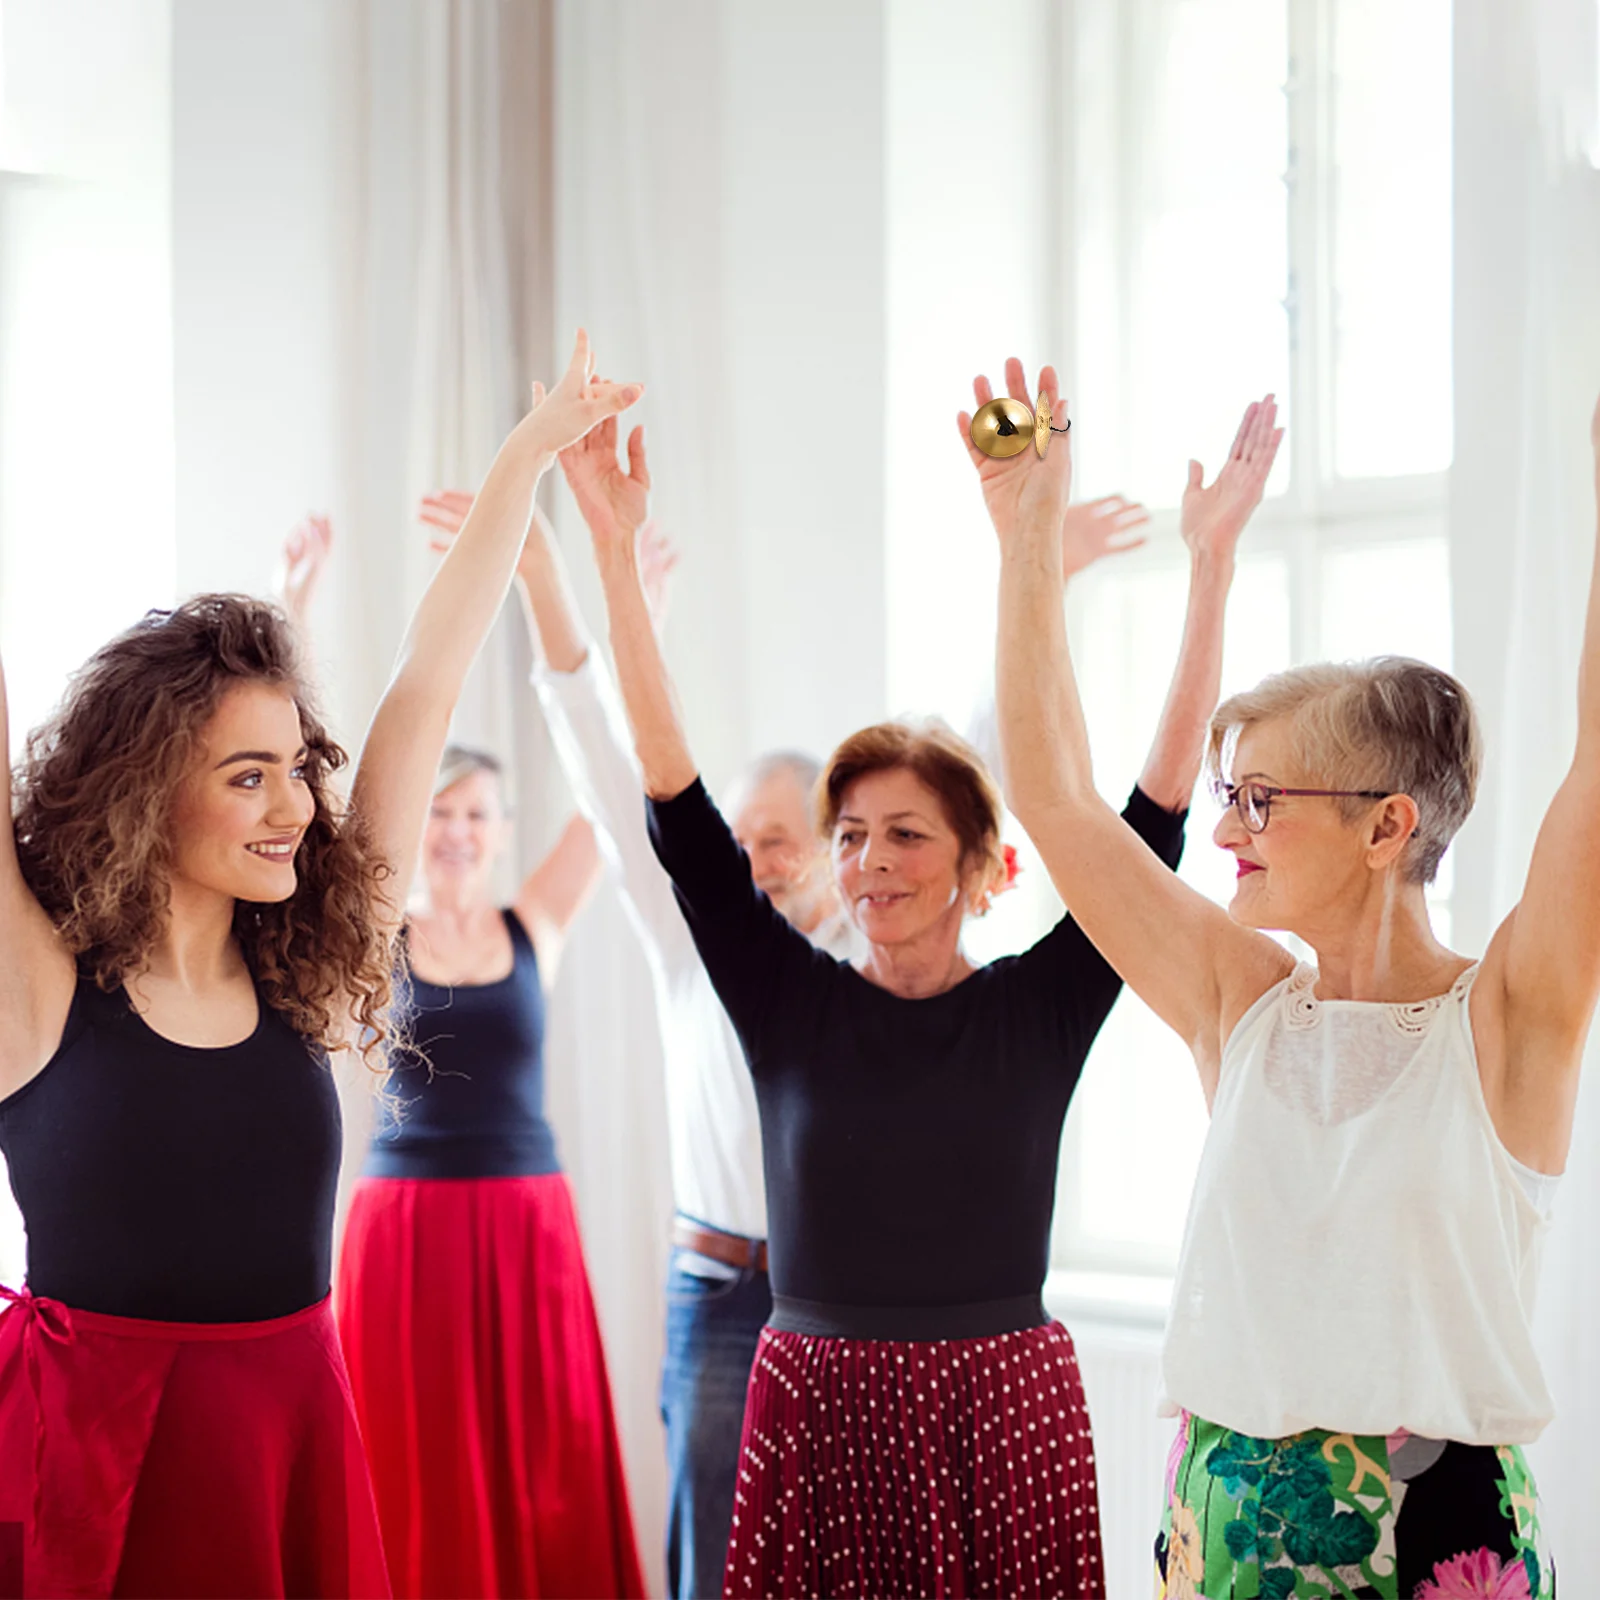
x=614, y=500
x=1023, y=489
x=305, y=555
x=1213, y=515
x=579, y=402
x=446, y=511
x=1095, y=528
x=657, y=558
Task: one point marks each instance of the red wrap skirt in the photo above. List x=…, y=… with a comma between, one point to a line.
x=952, y=1468
x=180, y=1458
x=480, y=1380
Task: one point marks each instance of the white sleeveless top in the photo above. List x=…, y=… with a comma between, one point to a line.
x=1360, y=1254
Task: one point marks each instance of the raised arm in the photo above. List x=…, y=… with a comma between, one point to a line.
x=1090, y=531
x=305, y=557
x=1179, y=952
x=582, y=711
x=557, y=889
x=37, y=973
x=1212, y=518
x=394, y=778
x=613, y=503
x=1536, y=991
x=555, y=892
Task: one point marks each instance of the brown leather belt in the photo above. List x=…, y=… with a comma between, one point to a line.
x=732, y=1249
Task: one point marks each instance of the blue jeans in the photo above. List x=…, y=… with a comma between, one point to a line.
x=715, y=1314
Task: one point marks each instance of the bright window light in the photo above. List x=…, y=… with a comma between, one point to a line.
x=1391, y=237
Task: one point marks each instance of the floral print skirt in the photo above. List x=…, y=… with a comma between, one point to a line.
x=1339, y=1516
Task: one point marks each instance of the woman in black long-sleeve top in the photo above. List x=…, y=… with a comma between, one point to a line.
x=915, y=1421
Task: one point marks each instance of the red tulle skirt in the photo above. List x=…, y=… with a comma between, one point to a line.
x=960, y=1467
x=181, y=1458
x=481, y=1386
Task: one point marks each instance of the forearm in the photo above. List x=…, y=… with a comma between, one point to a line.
x=547, y=604
x=1173, y=764
x=1043, y=738
x=1589, y=662
x=658, y=738
x=461, y=603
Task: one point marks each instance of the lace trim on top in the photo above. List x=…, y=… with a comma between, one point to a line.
x=1412, y=1018
x=1335, y=1059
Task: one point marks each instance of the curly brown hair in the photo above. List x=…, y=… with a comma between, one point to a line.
x=93, y=794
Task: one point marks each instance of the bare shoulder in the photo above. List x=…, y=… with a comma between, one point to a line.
x=1251, y=965
x=1255, y=964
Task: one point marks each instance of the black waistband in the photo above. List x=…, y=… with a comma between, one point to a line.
x=984, y=1320
x=528, y=1154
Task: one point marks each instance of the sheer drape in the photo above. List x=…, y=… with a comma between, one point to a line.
x=452, y=302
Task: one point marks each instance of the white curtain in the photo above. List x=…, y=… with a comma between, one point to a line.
x=452, y=312
x=1527, y=254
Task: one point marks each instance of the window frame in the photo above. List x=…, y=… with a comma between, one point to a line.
x=1319, y=513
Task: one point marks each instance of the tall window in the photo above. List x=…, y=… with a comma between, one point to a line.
x=1259, y=197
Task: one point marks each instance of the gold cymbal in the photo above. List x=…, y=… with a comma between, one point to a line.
x=1003, y=427
x=1041, y=425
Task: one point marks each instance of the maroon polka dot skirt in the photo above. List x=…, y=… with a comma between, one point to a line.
x=951, y=1468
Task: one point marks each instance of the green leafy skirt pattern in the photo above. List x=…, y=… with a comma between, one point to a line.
x=1338, y=1516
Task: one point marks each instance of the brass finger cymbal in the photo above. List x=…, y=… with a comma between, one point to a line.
x=1041, y=425
x=1003, y=427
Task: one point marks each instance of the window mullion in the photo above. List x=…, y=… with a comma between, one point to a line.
x=1310, y=289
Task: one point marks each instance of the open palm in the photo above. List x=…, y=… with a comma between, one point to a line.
x=1213, y=515
x=305, y=556
x=1022, y=488
x=1096, y=528
x=614, y=501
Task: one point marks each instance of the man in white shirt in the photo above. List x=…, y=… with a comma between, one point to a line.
x=718, y=1293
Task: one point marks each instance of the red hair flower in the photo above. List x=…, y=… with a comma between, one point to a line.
x=1008, y=853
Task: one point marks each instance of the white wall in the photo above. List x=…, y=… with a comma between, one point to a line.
x=86, y=381
x=971, y=275
x=262, y=180
x=85, y=286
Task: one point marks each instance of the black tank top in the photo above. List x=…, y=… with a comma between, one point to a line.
x=168, y=1181
x=468, y=1102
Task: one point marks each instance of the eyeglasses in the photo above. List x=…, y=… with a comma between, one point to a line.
x=1253, y=801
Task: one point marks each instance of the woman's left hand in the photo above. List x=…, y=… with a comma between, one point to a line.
x=305, y=555
x=579, y=402
x=1215, y=514
x=614, y=500
x=1021, y=490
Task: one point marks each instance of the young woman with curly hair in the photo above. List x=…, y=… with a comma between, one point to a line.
x=189, y=924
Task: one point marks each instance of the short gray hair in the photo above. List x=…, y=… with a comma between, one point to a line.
x=804, y=769
x=461, y=761
x=1390, y=723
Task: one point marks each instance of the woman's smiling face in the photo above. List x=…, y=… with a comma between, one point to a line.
x=240, y=814
x=1309, y=859
x=897, y=859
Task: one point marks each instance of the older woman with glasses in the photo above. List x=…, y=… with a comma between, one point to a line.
x=1349, y=1347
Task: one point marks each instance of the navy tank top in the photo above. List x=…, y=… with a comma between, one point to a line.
x=172, y=1181
x=468, y=1100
